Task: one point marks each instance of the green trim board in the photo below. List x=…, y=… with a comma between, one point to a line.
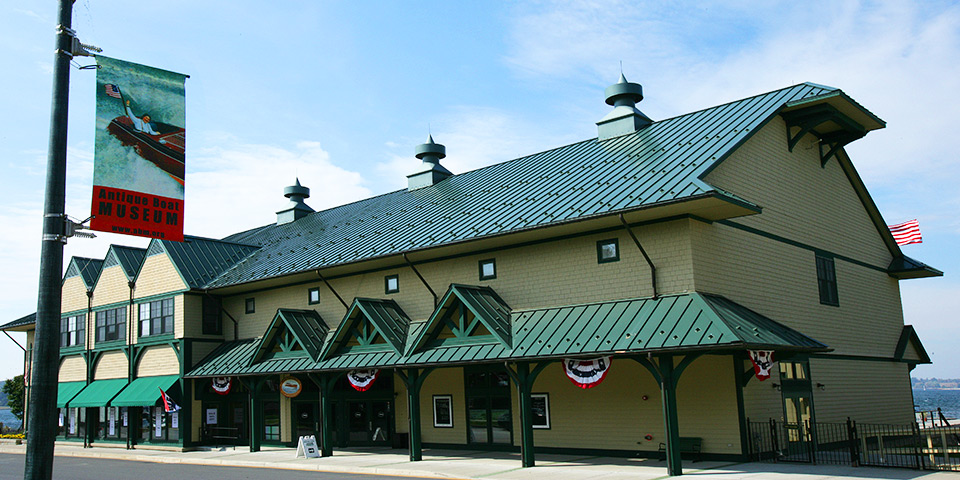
x=909, y=338
x=67, y=390
x=144, y=391
x=98, y=393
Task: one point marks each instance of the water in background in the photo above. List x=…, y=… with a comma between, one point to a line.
x=8, y=419
x=947, y=400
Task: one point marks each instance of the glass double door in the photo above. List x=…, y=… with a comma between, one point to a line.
x=362, y=422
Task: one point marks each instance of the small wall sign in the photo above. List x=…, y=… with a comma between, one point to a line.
x=290, y=387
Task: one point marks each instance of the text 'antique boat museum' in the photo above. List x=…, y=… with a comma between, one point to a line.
x=603, y=297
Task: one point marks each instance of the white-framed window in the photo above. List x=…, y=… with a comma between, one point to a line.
x=540, y=404
x=156, y=317
x=72, y=330
x=443, y=411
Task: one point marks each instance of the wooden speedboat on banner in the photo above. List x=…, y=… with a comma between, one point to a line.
x=166, y=150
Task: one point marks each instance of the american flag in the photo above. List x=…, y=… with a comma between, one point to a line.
x=906, y=233
x=112, y=90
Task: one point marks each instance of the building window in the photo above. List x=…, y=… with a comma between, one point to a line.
x=540, y=404
x=249, y=306
x=443, y=411
x=72, y=330
x=391, y=283
x=271, y=421
x=156, y=318
x=313, y=296
x=112, y=324
x=212, y=317
x=488, y=269
x=608, y=250
x=827, y=281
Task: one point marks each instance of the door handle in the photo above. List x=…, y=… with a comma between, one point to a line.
x=369, y=425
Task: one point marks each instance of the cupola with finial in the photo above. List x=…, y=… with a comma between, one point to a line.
x=296, y=209
x=625, y=118
x=430, y=172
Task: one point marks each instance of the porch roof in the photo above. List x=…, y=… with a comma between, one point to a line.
x=684, y=323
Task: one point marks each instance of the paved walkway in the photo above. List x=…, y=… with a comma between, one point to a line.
x=491, y=465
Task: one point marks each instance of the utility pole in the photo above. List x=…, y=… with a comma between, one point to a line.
x=42, y=412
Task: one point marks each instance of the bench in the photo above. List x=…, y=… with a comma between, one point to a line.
x=689, y=445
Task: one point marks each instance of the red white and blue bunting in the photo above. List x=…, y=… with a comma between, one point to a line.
x=586, y=373
x=220, y=385
x=362, y=380
x=762, y=363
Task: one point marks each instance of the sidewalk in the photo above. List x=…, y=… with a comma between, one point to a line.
x=491, y=465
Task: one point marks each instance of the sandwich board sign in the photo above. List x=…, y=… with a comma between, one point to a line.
x=307, y=446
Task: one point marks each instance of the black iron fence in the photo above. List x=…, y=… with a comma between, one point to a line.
x=851, y=443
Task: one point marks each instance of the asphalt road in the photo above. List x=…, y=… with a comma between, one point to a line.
x=73, y=468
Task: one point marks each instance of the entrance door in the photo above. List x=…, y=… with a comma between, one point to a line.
x=488, y=406
x=797, y=410
x=305, y=419
x=368, y=422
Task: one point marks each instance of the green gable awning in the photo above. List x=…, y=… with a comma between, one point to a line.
x=66, y=391
x=98, y=393
x=144, y=391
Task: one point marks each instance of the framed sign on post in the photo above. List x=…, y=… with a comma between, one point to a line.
x=540, y=404
x=442, y=411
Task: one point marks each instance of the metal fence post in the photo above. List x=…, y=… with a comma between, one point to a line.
x=774, y=440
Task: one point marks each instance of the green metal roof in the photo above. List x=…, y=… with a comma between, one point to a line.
x=306, y=326
x=692, y=322
x=144, y=391
x=23, y=321
x=129, y=259
x=98, y=393
x=67, y=390
x=86, y=268
x=200, y=260
x=661, y=163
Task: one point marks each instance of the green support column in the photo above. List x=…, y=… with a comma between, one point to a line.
x=255, y=418
x=668, y=393
x=523, y=377
x=413, y=404
x=413, y=380
x=326, y=415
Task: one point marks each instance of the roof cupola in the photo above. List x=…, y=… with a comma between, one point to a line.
x=296, y=209
x=430, y=172
x=625, y=118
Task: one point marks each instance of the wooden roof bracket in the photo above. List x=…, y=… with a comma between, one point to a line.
x=653, y=268
x=808, y=119
x=424, y=282
x=835, y=143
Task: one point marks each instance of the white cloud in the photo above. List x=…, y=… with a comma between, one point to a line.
x=236, y=186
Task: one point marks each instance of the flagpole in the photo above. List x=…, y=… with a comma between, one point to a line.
x=42, y=412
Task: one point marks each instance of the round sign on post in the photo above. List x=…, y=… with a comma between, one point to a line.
x=290, y=387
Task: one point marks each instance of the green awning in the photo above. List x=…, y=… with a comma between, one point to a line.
x=66, y=391
x=144, y=391
x=98, y=393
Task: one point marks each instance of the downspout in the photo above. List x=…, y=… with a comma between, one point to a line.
x=236, y=326
x=325, y=282
x=653, y=268
x=131, y=324
x=410, y=264
x=86, y=353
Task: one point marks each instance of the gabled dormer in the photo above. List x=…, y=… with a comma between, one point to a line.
x=370, y=325
x=466, y=315
x=292, y=334
x=86, y=269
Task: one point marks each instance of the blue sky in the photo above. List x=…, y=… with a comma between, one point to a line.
x=339, y=93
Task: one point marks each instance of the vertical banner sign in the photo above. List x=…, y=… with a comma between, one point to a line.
x=139, y=151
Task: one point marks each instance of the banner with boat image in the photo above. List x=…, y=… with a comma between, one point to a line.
x=139, y=151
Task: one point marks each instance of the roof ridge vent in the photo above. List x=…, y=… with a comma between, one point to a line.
x=625, y=118
x=430, y=172
x=296, y=209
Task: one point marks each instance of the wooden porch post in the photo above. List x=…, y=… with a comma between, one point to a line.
x=413, y=380
x=668, y=392
x=523, y=377
x=326, y=414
